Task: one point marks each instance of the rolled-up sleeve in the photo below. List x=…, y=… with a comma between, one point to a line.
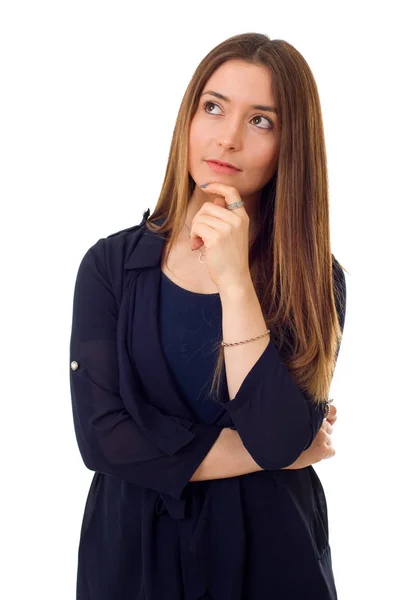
x=274, y=418
x=110, y=439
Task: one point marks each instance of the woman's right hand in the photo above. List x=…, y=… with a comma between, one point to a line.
x=321, y=446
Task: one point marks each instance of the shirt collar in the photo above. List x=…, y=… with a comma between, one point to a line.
x=145, y=251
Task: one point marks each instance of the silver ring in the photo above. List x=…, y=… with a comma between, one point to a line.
x=234, y=205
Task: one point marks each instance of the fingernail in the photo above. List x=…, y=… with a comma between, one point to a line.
x=204, y=185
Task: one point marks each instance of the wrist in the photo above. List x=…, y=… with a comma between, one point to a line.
x=236, y=289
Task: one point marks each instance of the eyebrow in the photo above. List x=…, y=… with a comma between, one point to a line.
x=257, y=106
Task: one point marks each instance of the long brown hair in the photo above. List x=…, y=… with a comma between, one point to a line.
x=290, y=258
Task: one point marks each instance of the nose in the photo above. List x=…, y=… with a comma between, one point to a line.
x=230, y=136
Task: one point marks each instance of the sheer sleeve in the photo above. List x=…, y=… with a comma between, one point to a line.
x=122, y=434
x=274, y=418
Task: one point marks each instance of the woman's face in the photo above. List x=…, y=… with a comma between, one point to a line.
x=232, y=130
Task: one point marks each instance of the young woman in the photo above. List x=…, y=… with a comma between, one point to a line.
x=203, y=346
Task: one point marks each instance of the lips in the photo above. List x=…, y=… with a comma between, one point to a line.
x=218, y=168
x=223, y=164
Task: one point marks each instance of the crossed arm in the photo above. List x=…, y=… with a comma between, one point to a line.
x=121, y=434
x=229, y=457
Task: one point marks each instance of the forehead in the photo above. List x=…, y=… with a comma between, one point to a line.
x=238, y=79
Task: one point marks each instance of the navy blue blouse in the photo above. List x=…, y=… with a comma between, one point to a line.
x=190, y=329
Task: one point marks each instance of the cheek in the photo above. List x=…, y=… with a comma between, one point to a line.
x=196, y=151
x=198, y=134
x=266, y=158
x=196, y=145
x=263, y=165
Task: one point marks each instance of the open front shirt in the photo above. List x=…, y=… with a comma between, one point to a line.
x=148, y=532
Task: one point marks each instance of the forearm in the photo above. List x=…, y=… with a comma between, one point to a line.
x=228, y=458
x=242, y=319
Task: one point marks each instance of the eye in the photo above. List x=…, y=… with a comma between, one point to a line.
x=208, y=102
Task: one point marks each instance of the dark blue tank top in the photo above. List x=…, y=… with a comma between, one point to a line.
x=190, y=329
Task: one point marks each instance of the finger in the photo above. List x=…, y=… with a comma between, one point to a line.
x=208, y=235
x=230, y=194
x=212, y=222
x=328, y=427
x=218, y=208
x=197, y=243
x=330, y=452
x=332, y=415
x=328, y=443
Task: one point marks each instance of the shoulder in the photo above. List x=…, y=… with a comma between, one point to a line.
x=339, y=279
x=339, y=288
x=338, y=271
x=103, y=262
x=113, y=249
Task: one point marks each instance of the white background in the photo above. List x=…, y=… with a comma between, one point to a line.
x=90, y=92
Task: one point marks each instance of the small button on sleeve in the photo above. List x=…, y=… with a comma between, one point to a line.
x=118, y=429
